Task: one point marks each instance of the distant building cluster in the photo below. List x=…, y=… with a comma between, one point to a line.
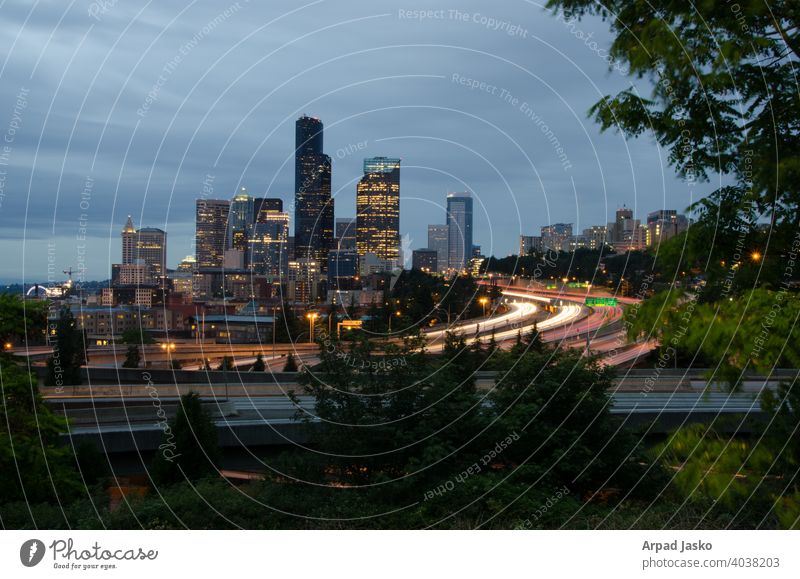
x=623, y=234
x=247, y=266
x=248, y=262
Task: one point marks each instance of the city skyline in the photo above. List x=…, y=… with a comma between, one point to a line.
x=176, y=154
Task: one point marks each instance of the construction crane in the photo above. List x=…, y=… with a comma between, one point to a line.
x=69, y=278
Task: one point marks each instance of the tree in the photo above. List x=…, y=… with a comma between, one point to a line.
x=376, y=319
x=137, y=336
x=175, y=364
x=533, y=340
x=730, y=336
x=132, y=358
x=189, y=447
x=558, y=404
x=226, y=364
x=36, y=467
x=21, y=319
x=379, y=416
x=258, y=365
x=288, y=325
x=69, y=352
x=291, y=364
x=492, y=347
x=724, y=96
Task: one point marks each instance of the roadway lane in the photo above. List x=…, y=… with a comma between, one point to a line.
x=138, y=415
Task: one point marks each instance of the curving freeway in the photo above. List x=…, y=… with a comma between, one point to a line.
x=569, y=324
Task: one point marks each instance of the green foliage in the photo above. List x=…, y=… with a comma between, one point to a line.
x=582, y=264
x=788, y=510
x=747, y=333
x=132, y=358
x=782, y=433
x=35, y=468
x=723, y=99
x=533, y=340
x=726, y=248
x=558, y=403
x=137, y=336
x=69, y=351
x=712, y=102
x=712, y=468
x=22, y=320
x=288, y=326
x=189, y=448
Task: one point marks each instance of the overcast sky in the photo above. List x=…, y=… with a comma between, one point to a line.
x=116, y=108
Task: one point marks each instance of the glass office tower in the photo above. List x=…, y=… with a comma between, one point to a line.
x=378, y=210
x=459, y=231
x=313, y=223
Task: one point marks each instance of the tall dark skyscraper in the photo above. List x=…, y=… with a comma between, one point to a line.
x=459, y=231
x=263, y=206
x=313, y=211
x=378, y=209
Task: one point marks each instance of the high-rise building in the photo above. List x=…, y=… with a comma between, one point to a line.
x=147, y=246
x=303, y=281
x=241, y=216
x=459, y=231
x=262, y=206
x=662, y=215
x=595, y=236
x=136, y=273
x=426, y=260
x=313, y=223
x=346, y=233
x=378, y=210
x=342, y=269
x=211, y=226
x=622, y=224
x=557, y=236
x=269, y=245
x=188, y=263
x=437, y=240
x=664, y=224
x=151, y=248
x=128, y=242
x=529, y=244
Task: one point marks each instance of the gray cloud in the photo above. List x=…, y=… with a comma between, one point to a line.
x=227, y=87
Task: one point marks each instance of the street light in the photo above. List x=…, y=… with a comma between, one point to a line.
x=483, y=301
x=398, y=313
x=312, y=317
x=274, y=326
x=755, y=256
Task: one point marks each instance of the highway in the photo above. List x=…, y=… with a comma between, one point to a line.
x=568, y=327
x=276, y=420
x=83, y=410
